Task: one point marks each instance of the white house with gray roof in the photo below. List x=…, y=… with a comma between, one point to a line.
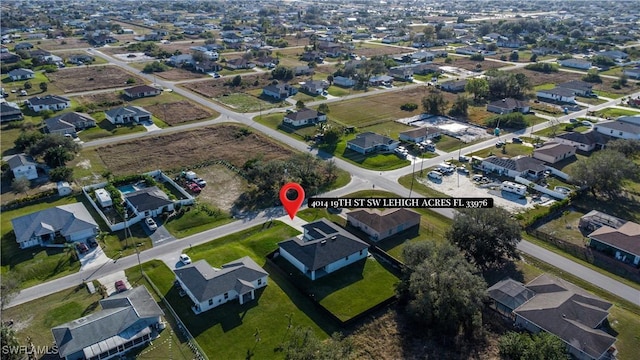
x=620, y=129
x=521, y=165
x=23, y=166
x=323, y=248
x=370, y=142
x=209, y=287
x=127, y=320
x=73, y=222
x=128, y=115
x=21, y=74
x=49, y=102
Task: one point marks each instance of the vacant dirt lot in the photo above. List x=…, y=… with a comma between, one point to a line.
x=468, y=64
x=223, y=188
x=102, y=101
x=215, y=87
x=186, y=149
x=179, y=74
x=538, y=78
x=61, y=44
x=80, y=79
x=179, y=112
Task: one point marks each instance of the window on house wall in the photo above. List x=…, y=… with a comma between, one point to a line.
x=361, y=252
x=259, y=281
x=226, y=295
x=210, y=301
x=347, y=258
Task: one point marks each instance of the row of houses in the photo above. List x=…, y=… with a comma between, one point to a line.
x=567, y=92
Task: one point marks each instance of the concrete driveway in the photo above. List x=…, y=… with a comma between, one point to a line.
x=109, y=281
x=160, y=235
x=94, y=258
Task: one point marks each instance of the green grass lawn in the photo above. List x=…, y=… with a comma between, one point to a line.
x=448, y=143
x=616, y=112
x=418, y=187
x=335, y=90
x=104, y=128
x=310, y=215
x=232, y=323
x=511, y=150
x=607, y=94
x=52, y=310
x=247, y=103
x=547, y=86
x=341, y=292
x=194, y=221
x=36, y=264
x=380, y=162
x=306, y=98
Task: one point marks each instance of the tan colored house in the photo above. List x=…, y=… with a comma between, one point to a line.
x=383, y=224
x=551, y=153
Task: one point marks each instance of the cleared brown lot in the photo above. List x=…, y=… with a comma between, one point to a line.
x=468, y=64
x=179, y=112
x=62, y=44
x=185, y=149
x=80, y=79
x=370, y=50
x=102, y=101
x=538, y=78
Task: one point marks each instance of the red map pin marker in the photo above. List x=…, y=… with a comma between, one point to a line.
x=291, y=206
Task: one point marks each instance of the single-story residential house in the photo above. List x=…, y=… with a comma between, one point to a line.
x=425, y=69
x=330, y=49
x=127, y=115
x=422, y=56
x=9, y=58
x=580, y=88
x=558, y=94
x=23, y=166
x=127, y=320
x=454, y=86
x=266, y=61
x=619, y=129
x=304, y=117
x=209, y=287
x=402, y=73
x=240, y=63
x=49, y=102
x=370, y=142
x=521, y=165
x=314, y=56
x=343, y=81
x=508, y=105
x=207, y=66
x=420, y=134
x=23, y=46
x=560, y=308
x=21, y=74
x=150, y=201
x=383, y=224
x=633, y=73
x=141, y=91
x=80, y=59
x=615, y=55
x=279, y=91
x=10, y=111
x=576, y=63
x=181, y=60
x=551, y=152
x=314, y=87
x=73, y=222
x=302, y=70
x=620, y=241
x=381, y=80
x=587, y=141
x=323, y=249
x=69, y=123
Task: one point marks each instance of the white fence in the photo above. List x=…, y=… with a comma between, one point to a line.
x=537, y=187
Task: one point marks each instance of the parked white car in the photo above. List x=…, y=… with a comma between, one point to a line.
x=185, y=259
x=151, y=224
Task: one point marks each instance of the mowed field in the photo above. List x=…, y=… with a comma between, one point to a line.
x=376, y=109
x=179, y=74
x=81, y=79
x=468, y=64
x=185, y=149
x=369, y=50
x=538, y=78
x=179, y=112
x=215, y=87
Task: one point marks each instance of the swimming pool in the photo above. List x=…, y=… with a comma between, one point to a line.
x=125, y=189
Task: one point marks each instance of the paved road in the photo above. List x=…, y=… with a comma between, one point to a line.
x=361, y=179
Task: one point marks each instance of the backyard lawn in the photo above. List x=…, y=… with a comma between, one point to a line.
x=196, y=220
x=267, y=317
x=376, y=161
x=508, y=150
x=616, y=112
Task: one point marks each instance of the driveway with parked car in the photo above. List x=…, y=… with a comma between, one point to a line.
x=160, y=234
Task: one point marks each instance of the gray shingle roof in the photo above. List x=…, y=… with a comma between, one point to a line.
x=20, y=160
x=518, y=163
x=47, y=100
x=621, y=126
x=568, y=312
x=554, y=149
x=66, y=120
x=509, y=103
x=303, y=114
x=127, y=111
x=149, y=198
x=383, y=221
x=588, y=138
x=331, y=243
x=121, y=314
x=558, y=91
x=67, y=219
x=205, y=282
x=20, y=72
x=369, y=139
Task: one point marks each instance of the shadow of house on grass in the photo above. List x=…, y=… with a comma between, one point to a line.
x=228, y=315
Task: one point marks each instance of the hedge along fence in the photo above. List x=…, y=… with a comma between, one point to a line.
x=31, y=199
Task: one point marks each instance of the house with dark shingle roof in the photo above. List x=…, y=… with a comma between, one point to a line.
x=521, y=165
x=10, y=111
x=619, y=129
x=69, y=123
x=579, y=87
x=23, y=166
x=383, y=224
x=507, y=295
x=279, y=91
x=127, y=320
x=587, y=141
x=150, y=201
x=127, y=115
x=304, y=117
x=614, y=236
x=141, y=91
x=21, y=74
x=49, y=102
x=508, y=105
x=567, y=311
x=73, y=222
x=420, y=134
x=209, y=287
x=370, y=142
x=322, y=249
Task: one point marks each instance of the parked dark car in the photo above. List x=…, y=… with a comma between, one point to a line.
x=120, y=286
x=516, y=140
x=92, y=242
x=82, y=247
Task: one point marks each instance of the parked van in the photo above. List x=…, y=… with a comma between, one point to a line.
x=435, y=175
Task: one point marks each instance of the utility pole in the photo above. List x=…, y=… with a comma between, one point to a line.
x=413, y=176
